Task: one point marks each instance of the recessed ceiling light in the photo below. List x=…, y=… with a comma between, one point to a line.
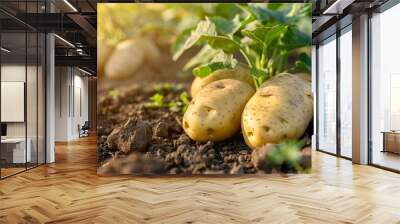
x=64, y=40
x=70, y=5
x=5, y=50
x=84, y=71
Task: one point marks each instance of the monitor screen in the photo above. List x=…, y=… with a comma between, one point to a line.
x=3, y=129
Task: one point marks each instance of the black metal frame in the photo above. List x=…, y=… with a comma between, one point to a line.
x=29, y=29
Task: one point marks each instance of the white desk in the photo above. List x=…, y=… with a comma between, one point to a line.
x=17, y=145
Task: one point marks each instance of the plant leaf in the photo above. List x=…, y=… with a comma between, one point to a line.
x=303, y=64
x=205, y=27
x=261, y=12
x=220, y=61
x=294, y=38
x=225, y=26
x=228, y=45
x=265, y=35
x=260, y=75
x=206, y=32
x=180, y=40
x=206, y=54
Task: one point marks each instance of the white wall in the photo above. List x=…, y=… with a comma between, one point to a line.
x=71, y=93
x=33, y=127
x=14, y=73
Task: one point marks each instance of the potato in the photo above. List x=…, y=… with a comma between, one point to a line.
x=240, y=73
x=126, y=59
x=103, y=52
x=281, y=109
x=215, y=113
x=151, y=52
x=304, y=76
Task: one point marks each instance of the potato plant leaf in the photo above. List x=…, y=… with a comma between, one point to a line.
x=220, y=61
x=205, y=27
x=265, y=35
x=156, y=101
x=265, y=14
x=228, y=45
x=303, y=64
x=259, y=75
x=180, y=40
x=225, y=26
x=295, y=38
x=206, y=32
x=205, y=55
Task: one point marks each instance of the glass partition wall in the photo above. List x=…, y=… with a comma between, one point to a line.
x=334, y=94
x=22, y=98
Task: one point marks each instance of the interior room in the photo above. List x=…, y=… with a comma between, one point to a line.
x=49, y=112
x=385, y=79
x=22, y=99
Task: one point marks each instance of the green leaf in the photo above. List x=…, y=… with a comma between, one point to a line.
x=180, y=40
x=206, y=54
x=205, y=27
x=260, y=75
x=220, y=61
x=206, y=32
x=225, y=26
x=266, y=35
x=157, y=101
x=204, y=70
x=294, y=38
x=184, y=97
x=261, y=12
x=303, y=64
x=226, y=44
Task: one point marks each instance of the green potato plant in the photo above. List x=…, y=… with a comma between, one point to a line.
x=267, y=37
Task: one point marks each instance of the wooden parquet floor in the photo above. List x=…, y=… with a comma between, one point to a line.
x=69, y=191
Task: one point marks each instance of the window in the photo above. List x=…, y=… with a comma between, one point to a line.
x=327, y=95
x=346, y=92
x=385, y=89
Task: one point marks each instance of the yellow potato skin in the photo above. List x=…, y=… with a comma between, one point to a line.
x=215, y=113
x=125, y=60
x=103, y=52
x=281, y=109
x=240, y=73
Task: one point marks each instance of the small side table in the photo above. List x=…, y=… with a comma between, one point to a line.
x=391, y=141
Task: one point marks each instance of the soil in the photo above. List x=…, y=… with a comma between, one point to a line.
x=135, y=139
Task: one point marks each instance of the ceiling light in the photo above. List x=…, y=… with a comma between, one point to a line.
x=84, y=71
x=5, y=50
x=70, y=5
x=337, y=7
x=64, y=40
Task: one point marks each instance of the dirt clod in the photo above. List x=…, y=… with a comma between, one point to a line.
x=134, y=135
x=161, y=130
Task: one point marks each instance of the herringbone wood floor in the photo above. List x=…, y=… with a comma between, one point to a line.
x=69, y=191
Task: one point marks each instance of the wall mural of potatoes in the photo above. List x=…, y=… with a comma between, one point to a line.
x=204, y=89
